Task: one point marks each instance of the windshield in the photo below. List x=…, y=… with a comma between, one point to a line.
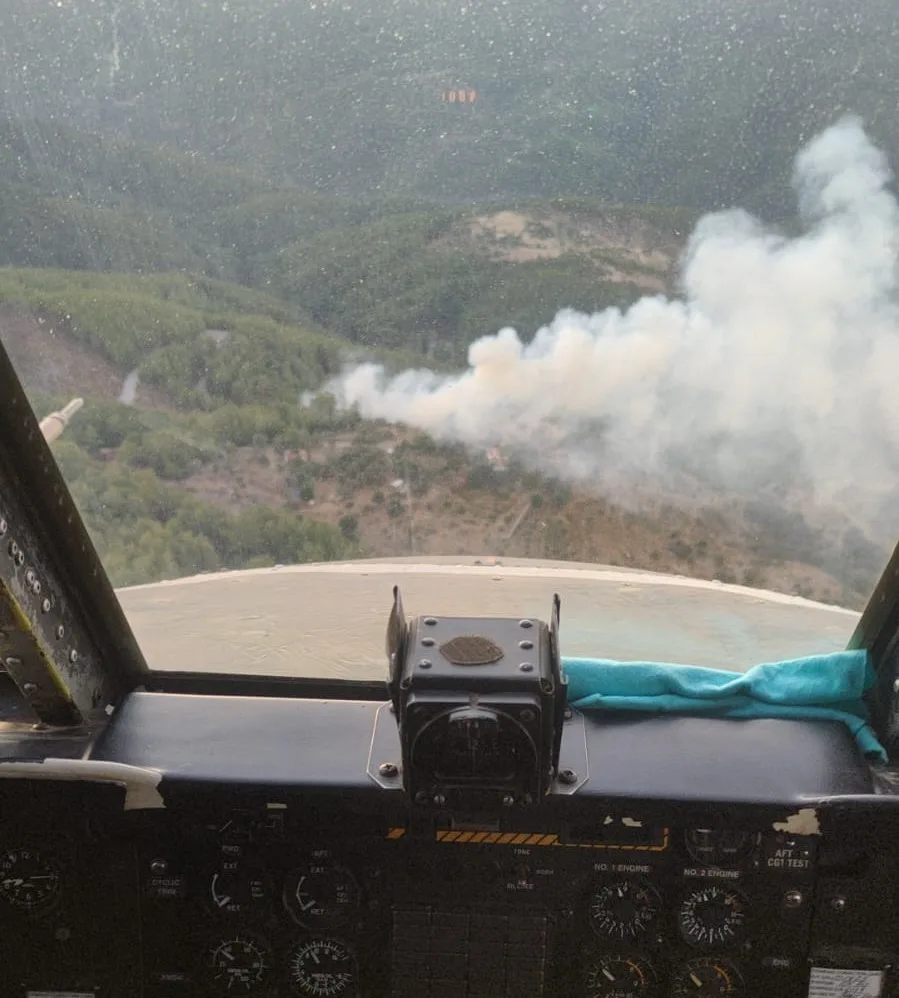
x=608, y=283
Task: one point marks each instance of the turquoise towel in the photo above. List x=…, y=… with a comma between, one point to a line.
x=820, y=688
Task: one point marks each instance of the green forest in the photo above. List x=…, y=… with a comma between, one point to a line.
x=282, y=343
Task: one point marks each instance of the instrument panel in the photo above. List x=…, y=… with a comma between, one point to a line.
x=245, y=871
x=261, y=907
x=316, y=901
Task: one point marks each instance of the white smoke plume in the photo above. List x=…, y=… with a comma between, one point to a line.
x=780, y=362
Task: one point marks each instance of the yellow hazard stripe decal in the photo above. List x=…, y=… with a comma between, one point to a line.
x=530, y=839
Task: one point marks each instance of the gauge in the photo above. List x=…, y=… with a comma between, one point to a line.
x=623, y=909
x=235, y=828
x=239, y=966
x=619, y=976
x=712, y=916
x=321, y=894
x=706, y=978
x=717, y=846
x=322, y=967
x=238, y=888
x=29, y=880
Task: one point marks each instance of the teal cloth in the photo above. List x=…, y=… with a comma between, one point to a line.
x=819, y=688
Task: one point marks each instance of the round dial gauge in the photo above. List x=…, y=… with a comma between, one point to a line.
x=717, y=847
x=707, y=978
x=619, y=976
x=623, y=909
x=239, y=966
x=235, y=828
x=29, y=880
x=322, y=968
x=238, y=889
x=712, y=916
x=321, y=895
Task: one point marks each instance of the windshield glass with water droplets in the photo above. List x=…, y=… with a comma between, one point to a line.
x=612, y=283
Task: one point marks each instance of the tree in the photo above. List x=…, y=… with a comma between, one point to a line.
x=349, y=527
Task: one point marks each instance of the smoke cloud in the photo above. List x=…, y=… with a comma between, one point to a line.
x=778, y=363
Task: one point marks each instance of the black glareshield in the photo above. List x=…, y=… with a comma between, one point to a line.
x=480, y=703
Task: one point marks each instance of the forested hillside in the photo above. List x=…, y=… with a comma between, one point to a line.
x=208, y=210
x=209, y=460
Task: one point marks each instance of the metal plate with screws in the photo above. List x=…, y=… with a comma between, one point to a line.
x=49, y=672
x=66, y=643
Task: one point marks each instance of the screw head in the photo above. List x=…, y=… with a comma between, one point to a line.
x=425, y=663
x=526, y=667
x=568, y=776
x=388, y=769
x=28, y=688
x=793, y=899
